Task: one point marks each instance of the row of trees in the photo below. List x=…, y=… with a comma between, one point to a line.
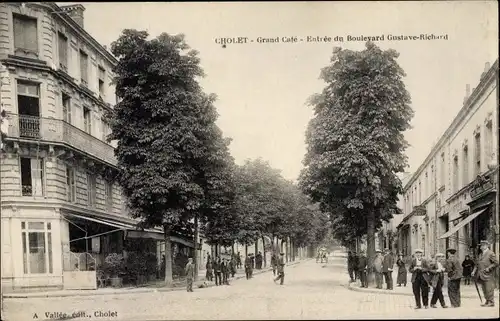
x=356, y=144
x=174, y=164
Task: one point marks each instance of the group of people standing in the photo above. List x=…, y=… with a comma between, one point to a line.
x=221, y=268
x=428, y=274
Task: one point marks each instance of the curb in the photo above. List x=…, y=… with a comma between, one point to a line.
x=389, y=292
x=132, y=291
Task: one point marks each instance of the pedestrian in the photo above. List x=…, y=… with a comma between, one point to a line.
x=209, y=267
x=350, y=266
x=436, y=270
x=402, y=277
x=483, y=273
x=238, y=260
x=232, y=266
x=248, y=267
x=281, y=269
x=419, y=269
x=258, y=261
x=189, y=269
x=377, y=268
x=468, y=267
x=362, y=266
x=225, y=271
x=387, y=268
x=274, y=263
x=218, y=271
x=454, y=270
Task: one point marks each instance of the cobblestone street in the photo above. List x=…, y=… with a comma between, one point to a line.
x=311, y=291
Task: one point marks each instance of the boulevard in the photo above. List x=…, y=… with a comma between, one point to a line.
x=311, y=291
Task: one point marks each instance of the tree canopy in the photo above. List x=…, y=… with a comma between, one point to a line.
x=355, y=142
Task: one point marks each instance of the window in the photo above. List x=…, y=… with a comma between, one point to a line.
x=66, y=107
x=488, y=140
x=32, y=175
x=455, y=173
x=432, y=180
x=25, y=34
x=106, y=130
x=84, y=67
x=87, y=123
x=102, y=75
x=419, y=193
x=37, y=247
x=63, y=52
x=70, y=185
x=465, y=169
x=442, y=170
x=108, y=191
x=28, y=104
x=91, y=190
x=477, y=154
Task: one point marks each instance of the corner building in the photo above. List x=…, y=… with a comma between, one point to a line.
x=451, y=199
x=60, y=208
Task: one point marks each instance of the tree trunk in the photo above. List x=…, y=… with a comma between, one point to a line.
x=256, y=247
x=232, y=249
x=273, y=245
x=370, y=243
x=195, y=254
x=281, y=247
x=264, y=250
x=246, y=250
x=216, y=250
x=168, y=256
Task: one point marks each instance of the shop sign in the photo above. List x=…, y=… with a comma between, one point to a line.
x=481, y=185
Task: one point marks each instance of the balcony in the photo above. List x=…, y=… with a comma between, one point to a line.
x=58, y=131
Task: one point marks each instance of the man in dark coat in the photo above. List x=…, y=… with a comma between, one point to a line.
x=350, y=266
x=387, y=267
x=362, y=267
x=218, y=271
x=454, y=270
x=419, y=269
x=281, y=269
x=232, y=266
x=209, y=267
x=238, y=260
x=274, y=263
x=258, y=261
x=484, y=273
x=225, y=271
x=248, y=267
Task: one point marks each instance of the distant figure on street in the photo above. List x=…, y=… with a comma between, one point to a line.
x=209, y=267
x=387, y=267
x=281, y=269
x=402, y=277
x=318, y=256
x=232, y=266
x=252, y=258
x=419, y=268
x=248, y=267
x=454, y=270
x=377, y=267
x=350, y=266
x=218, y=271
x=238, y=260
x=274, y=263
x=355, y=265
x=189, y=269
x=483, y=273
x=362, y=266
x=436, y=270
x=225, y=271
x=258, y=261
x=468, y=267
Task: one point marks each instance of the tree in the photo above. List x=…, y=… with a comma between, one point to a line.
x=355, y=140
x=168, y=149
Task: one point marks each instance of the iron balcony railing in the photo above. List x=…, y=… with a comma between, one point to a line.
x=59, y=131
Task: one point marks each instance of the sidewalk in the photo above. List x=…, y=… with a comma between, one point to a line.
x=466, y=291
x=178, y=286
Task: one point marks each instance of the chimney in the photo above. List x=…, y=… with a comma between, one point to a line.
x=75, y=11
x=467, y=92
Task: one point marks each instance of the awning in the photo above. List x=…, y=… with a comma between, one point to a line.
x=466, y=221
x=133, y=232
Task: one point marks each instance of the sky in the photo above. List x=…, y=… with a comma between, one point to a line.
x=263, y=88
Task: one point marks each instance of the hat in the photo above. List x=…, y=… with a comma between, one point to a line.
x=386, y=250
x=484, y=242
x=419, y=251
x=439, y=255
x=378, y=251
x=451, y=251
x=282, y=253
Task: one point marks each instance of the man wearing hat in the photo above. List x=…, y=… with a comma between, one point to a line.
x=189, y=269
x=377, y=267
x=387, y=267
x=362, y=266
x=419, y=269
x=281, y=269
x=484, y=273
x=454, y=270
x=436, y=270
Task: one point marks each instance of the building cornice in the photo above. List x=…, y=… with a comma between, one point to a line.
x=490, y=76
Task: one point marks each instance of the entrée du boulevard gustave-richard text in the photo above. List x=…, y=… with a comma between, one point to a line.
x=326, y=39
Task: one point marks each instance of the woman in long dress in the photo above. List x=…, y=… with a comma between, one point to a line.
x=402, y=273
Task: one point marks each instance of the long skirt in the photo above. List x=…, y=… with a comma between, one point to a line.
x=401, y=276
